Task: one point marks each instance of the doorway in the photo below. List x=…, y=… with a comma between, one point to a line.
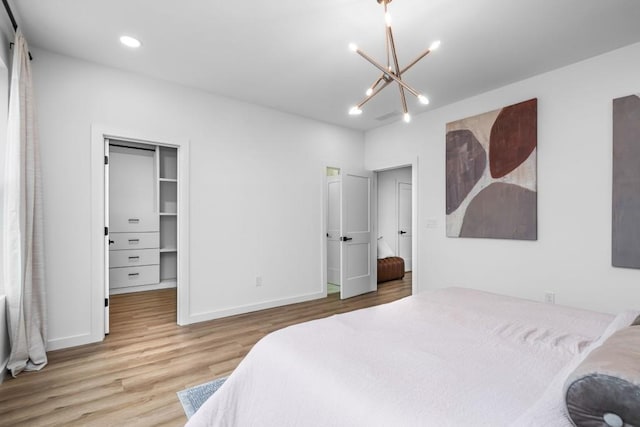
x=141, y=219
x=146, y=247
x=395, y=218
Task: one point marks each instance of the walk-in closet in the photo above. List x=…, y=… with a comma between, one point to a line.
x=142, y=216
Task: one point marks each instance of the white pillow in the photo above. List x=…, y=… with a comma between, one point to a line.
x=384, y=250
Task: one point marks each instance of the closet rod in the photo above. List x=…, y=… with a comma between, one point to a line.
x=133, y=148
x=13, y=21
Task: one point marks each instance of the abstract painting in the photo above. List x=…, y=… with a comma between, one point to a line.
x=491, y=175
x=625, y=248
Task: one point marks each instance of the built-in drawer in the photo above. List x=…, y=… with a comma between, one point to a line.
x=130, y=258
x=133, y=241
x=128, y=223
x=123, y=277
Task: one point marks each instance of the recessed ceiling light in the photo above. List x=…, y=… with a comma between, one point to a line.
x=130, y=41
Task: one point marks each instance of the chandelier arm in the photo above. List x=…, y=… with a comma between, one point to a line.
x=387, y=49
x=367, y=99
x=393, y=51
x=376, y=83
x=415, y=61
x=374, y=93
x=387, y=73
x=386, y=36
x=377, y=91
x=403, y=98
x=364, y=101
x=411, y=90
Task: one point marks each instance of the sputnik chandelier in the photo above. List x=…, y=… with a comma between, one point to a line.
x=392, y=72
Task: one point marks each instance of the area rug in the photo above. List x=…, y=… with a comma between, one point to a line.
x=192, y=398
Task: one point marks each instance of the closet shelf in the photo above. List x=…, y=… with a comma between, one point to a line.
x=163, y=250
x=168, y=214
x=167, y=180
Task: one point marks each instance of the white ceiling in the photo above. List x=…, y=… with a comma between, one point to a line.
x=292, y=55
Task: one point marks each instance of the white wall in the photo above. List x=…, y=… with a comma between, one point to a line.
x=388, y=204
x=572, y=256
x=256, y=180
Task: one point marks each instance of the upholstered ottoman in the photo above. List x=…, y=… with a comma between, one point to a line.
x=391, y=268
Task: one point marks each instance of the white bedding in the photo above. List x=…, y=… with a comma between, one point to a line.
x=452, y=357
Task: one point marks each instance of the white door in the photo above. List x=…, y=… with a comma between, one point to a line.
x=106, y=237
x=333, y=229
x=357, y=242
x=404, y=223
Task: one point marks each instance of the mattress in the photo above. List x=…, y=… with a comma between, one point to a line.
x=451, y=357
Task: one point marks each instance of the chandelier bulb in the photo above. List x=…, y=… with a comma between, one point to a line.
x=369, y=92
x=434, y=45
x=423, y=100
x=353, y=47
x=355, y=111
x=406, y=117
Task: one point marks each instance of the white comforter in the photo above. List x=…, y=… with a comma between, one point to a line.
x=453, y=357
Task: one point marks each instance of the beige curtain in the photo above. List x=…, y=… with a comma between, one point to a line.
x=24, y=249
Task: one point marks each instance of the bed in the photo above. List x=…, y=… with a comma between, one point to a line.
x=451, y=357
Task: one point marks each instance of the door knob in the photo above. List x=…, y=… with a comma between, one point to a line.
x=402, y=232
x=345, y=238
x=111, y=242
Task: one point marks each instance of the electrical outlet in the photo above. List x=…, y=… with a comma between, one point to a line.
x=549, y=297
x=258, y=280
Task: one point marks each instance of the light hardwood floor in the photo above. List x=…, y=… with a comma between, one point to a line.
x=131, y=378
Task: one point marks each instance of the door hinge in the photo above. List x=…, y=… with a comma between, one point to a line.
x=106, y=231
x=106, y=160
x=106, y=302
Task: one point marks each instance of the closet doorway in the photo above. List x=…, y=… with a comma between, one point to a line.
x=141, y=201
x=141, y=217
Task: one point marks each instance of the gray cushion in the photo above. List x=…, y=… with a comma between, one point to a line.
x=604, y=390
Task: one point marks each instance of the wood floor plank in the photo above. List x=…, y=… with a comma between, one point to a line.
x=131, y=378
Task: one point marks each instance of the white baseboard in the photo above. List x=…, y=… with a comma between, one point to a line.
x=72, y=341
x=211, y=315
x=142, y=288
x=76, y=340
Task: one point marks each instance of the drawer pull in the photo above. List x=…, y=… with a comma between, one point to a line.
x=134, y=258
x=134, y=220
x=133, y=274
x=134, y=241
